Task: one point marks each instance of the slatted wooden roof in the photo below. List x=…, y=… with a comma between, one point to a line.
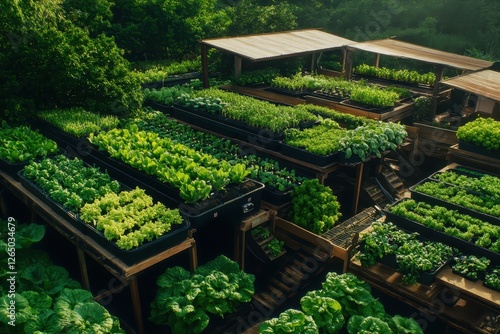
x=485, y=83
x=395, y=48
x=278, y=45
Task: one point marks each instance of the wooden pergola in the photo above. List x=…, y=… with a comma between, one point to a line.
x=484, y=83
x=394, y=48
x=271, y=46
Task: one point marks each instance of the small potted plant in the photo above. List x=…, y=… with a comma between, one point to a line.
x=471, y=266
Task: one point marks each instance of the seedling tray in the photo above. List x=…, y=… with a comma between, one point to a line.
x=276, y=198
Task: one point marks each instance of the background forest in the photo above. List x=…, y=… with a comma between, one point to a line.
x=61, y=53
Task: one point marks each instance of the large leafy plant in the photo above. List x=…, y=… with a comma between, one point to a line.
x=22, y=144
x=314, y=207
x=184, y=300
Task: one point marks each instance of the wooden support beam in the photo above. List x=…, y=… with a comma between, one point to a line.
x=237, y=67
x=376, y=62
x=348, y=64
x=435, y=92
x=204, y=65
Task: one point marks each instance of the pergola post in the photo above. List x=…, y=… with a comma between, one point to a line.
x=237, y=67
x=376, y=62
x=204, y=65
x=348, y=64
x=435, y=92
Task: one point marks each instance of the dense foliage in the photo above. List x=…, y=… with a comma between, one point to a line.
x=46, y=299
x=484, y=132
x=343, y=303
x=184, y=300
x=54, y=53
x=314, y=207
x=22, y=144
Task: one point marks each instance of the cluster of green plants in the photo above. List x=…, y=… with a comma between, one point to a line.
x=492, y=278
x=461, y=196
x=343, y=304
x=275, y=246
x=413, y=256
x=358, y=91
x=184, y=300
x=403, y=75
x=346, y=120
x=258, y=77
x=257, y=113
x=265, y=170
x=314, y=206
x=476, y=181
x=130, y=218
x=374, y=96
x=322, y=139
x=470, y=266
x=166, y=95
x=328, y=137
x=451, y=222
x=261, y=231
x=422, y=106
x=373, y=138
x=22, y=144
x=484, y=132
x=207, y=104
x=46, y=299
x=78, y=121
x=194, y=173
x=158, y=71
x=70, y=182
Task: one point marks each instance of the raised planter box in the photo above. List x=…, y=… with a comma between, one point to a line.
x=275, y=197
x=495, y=154
x=288, y=92
x=434, y=235
x=436, y=134
x=419, y=196
x=298, y=237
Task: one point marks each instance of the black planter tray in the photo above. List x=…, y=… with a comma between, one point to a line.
x=495, y=154
x=288, y=92
x=366, y=107
x=352, y=160
x=166, y=109
x=176, y=235
x=275, y=197
x=427, y=277
x=419, y=196
x=235, y=203
x=306, y=156
x=229, y=128
x=434, y=235
x=331, y=97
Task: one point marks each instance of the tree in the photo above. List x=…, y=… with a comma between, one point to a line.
x=48, y=61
